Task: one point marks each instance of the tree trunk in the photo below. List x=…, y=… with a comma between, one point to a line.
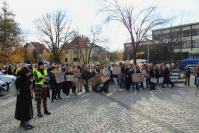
x=89, y=54
x=134, y=57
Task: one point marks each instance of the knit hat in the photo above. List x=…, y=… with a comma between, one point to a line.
x=40, y=63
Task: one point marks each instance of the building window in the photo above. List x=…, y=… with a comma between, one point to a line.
x=195, y=32
x=186, y=33
x=75, y=59
x=66, y=59
x=66, y=52
x=187, y=44
x=195, y=43
x=156, y=37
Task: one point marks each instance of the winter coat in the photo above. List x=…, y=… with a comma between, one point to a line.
x=24, y=109
x=166, y=74
x=86, y=75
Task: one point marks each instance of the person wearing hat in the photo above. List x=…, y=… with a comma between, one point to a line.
x=24, y=108
x=41, y=88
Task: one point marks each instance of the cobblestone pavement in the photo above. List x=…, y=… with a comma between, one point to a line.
x=161, y=111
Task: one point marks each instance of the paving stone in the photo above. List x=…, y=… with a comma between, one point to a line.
x=163, y=110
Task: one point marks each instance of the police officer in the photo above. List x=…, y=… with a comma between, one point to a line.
x=41, y=89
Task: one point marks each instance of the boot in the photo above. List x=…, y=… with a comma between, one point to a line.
x=39, y=109
x=39, y=114
x=45, y=108
x=47, y=113
x=27, y=126
x=22, y=124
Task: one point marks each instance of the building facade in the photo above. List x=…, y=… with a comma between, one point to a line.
x=141, y=51
x=184, y=38
x=80, y=51
x=37, y=48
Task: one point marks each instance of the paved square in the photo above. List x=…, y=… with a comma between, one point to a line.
x=163, y=110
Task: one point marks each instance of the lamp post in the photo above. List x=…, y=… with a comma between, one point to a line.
x=25, y=52
x=148, y=53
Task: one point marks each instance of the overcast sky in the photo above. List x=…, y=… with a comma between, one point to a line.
x=85, y=13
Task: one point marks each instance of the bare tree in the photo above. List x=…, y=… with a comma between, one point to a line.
x=56, y=29
x=77, y=36
x=138, y=23
x=93, y=39
x=174, y=38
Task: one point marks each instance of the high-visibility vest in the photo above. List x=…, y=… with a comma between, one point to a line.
x=39, y=75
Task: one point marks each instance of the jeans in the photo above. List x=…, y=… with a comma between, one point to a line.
x=136, y=85
x=115, y=80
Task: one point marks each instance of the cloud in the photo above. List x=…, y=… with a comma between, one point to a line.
x=85, y=13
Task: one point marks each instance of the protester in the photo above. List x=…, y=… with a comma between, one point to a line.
x=86, y=77
x=24, y=109
x=116, y=72
x=153, y=77
x=187, y=76
x=167, y=79
x=196, y=73
x=52, y=82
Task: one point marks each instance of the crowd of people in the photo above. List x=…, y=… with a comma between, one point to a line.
x=39, y=81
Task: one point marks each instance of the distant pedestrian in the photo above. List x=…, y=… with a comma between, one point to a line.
x=24, y=109
x=167, y=79
x=196, y=73
x=187, y=76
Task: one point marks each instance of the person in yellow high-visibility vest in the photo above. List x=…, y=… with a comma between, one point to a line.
x=41, y=88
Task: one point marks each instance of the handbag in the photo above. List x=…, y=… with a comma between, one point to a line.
x=154, y=80
x=12, y=89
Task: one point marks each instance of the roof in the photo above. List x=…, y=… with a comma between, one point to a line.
x=80, y=41
x=37, y=45
x=183, y=25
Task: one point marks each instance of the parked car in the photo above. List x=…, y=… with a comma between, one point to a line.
x=8, y=79
x=3, y=86
x=186, y=62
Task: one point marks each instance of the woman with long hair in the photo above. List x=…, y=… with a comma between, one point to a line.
x=24, y=109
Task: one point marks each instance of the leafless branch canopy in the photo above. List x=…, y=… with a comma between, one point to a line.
x=56, y=30
x=137, y=22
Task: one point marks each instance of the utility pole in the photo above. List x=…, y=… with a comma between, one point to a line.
x=148, y=53
x=25, y=52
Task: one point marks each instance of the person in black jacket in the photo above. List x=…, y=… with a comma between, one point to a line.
x=128, y=71
x=187, y=76
x=167, y=79
x=86, y=76
x=154, y=77
x=52, y=82
x=24, y=109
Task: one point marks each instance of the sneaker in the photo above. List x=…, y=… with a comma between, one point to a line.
x=28, y=127
x=47, y=113
x=39, y=115
x=121, y=89
x=68, y=97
